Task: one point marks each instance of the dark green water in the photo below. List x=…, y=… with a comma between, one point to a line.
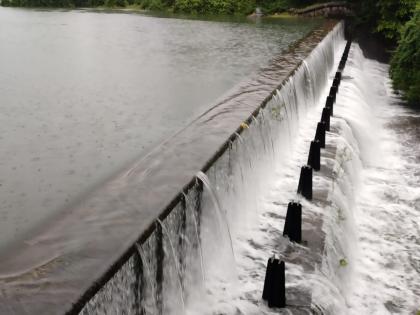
x=82, y=94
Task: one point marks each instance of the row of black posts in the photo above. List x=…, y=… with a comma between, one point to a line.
x=274, y=291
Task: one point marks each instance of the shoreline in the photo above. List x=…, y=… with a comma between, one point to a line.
x=138, y=9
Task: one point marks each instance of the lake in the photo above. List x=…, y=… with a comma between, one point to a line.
x=83, y=94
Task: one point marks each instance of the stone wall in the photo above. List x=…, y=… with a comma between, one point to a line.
x=329, y=9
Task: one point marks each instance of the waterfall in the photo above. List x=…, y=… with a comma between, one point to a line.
x=371, y=263
x=247, y=188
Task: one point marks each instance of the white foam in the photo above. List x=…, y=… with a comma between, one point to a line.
x=382, y=276
x=263, y=180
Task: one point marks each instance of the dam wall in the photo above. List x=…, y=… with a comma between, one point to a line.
x=171, y=235
x=193, y=260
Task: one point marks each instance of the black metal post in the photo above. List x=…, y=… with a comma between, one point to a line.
x=330, y=103
x=305, y=182
x=314, y=158
x=325, y=117
x=320, y=133
x=333, y=90
x=338, y=76
x=275, y=283
x=293, y=223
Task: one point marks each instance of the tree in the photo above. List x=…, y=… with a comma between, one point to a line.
x=405, y=63
x=386, y=17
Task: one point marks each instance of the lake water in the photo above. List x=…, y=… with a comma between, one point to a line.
x=83, y=94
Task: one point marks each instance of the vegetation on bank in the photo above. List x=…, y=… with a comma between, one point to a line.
x=239, y=7
x=398, y=22
x=385, y=16
x=405, y=63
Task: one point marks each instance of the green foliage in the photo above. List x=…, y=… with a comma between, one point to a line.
x=115, y=3
x=226, y=7
x=215, y=6
x=54, y=3
x=190, y=6
x=276, y=6
x=397, y=21
x=393, y=15
x=385, y=16
x=156, y=5
x=120, y=3
x=271, y=6
x=405, y=63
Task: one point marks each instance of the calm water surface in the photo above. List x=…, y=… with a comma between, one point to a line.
x=82, y=94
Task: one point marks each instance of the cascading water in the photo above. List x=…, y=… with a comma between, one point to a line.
x=180, y=290
x=372, y=261
x=250, y=184
x=250, y=195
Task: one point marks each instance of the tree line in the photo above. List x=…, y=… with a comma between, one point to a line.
x=405, y=62
x=398, y=22
x=239, y=7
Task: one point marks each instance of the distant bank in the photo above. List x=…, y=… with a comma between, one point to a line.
x=223, y=7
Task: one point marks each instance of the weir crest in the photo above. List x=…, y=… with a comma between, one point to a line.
x=220, y=231
x=153, y=230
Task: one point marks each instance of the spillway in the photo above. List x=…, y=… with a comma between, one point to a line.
x=89, y=258
x=373, y=227
x=206, y=253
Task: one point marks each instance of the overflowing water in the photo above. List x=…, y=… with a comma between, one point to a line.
x=361, y=234
x=375, y=228
x=214, y=245
x=209, y=255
